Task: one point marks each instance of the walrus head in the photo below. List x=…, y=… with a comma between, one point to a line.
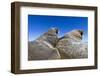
x=52, y=31
x=75, y=34
x=50, y=36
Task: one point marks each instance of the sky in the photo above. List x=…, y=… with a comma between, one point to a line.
x=38, y=24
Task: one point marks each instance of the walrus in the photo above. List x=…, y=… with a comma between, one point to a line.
x=71, y=47
x=43, y=48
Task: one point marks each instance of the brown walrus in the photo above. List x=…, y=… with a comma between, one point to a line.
x=43, y=47
x=71, y=47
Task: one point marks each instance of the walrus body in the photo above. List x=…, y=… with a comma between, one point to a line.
x=71, y=47
x=43, y=47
